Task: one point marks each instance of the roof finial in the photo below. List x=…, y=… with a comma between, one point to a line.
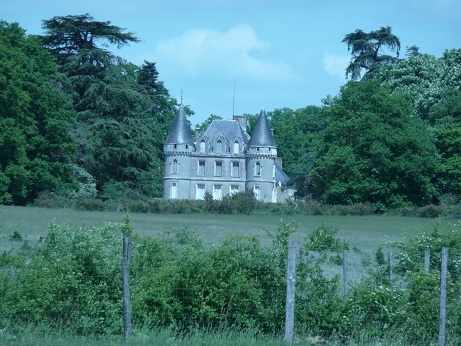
x=181, y=97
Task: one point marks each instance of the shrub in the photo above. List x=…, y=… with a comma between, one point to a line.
x=65, y=281
x=324, y=238
x=355, y=209
x=89, y=204
x=430, y=211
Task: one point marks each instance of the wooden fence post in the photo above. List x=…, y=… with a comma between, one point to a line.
x=427, y=260
x=390, y=257
x=443, y=296
x=126, y=259
x=345, y=276
x=291, y=288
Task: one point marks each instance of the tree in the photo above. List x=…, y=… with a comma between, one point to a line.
x=367, y=51
x=203, y=126
x=374, y=151
x=298, y=134
x=35, y=119
x=424, y=79
x=74, y=40
x=446, y=119
x=123, y=111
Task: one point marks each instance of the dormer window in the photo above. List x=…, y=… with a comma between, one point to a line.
x=236, y=147
x=202, y=146
x=219, y=146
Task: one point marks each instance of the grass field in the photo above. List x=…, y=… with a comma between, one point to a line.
x=363, y=232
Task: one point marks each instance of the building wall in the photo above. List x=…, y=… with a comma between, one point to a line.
x=193, y=170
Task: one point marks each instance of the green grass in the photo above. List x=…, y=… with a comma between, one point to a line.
x=164, y=337
x=362, y=232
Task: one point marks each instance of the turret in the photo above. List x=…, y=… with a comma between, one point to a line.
x=177, y=149
x=261, y=161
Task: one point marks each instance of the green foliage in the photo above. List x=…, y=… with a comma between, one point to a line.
x=364, y=158
x=16, y=236
x=65, y=281
x=298, y=134
x=411, y=257
x=122, y=110
x=375, y=310
x=324, y=238
x=237, y=203
x=367, y=51
x=426, y=80
x=35, y=120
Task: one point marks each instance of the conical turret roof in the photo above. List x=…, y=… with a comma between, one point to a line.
x=180, y=132
x=262, y=134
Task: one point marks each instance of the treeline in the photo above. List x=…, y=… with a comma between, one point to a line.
x=78, y=122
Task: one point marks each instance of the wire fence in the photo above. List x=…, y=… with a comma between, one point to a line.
x=105, y=286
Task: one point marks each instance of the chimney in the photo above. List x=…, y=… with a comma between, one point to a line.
x=242, y=120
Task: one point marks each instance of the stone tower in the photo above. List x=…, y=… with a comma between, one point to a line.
x=261, y=156
x=178, y=148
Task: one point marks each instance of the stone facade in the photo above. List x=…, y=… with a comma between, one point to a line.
x=222, y=160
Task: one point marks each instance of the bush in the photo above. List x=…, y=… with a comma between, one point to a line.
x=324, y=238
x=355, y=209
x=89, y=204
x=430, y=211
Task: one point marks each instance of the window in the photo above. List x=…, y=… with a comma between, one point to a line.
x=218, y=169
x=202, y=146
x=257, y=192
x=235, y=169
x=217, y=192
x=200, y=191
x=219, y=146
x=201, y=168
x=258, y=169
x=236, y=147
x=174, y=167
x=174, y=190
x=234, y=189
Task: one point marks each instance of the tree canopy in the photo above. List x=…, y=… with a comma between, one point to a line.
x=374, y=151
x=35, y=119
x=367, y=51
x=122, y=110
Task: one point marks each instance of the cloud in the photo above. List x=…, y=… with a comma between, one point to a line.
x=335, y=65
x=238, y=51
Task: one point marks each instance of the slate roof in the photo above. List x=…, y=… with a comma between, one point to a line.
x=180, y=132
x=280, y=175
x=229, y=129
x=262, y=134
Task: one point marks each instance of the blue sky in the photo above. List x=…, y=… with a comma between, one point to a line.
x=278, y=53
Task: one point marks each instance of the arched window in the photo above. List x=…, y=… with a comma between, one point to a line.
x=236, y=147
x=258, y=169
x=219, y=146
x=202, y=146
x=174, y=167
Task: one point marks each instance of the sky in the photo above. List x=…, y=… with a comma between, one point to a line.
x=226, y=57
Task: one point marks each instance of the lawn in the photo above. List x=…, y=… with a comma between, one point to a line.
x=363, y=232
